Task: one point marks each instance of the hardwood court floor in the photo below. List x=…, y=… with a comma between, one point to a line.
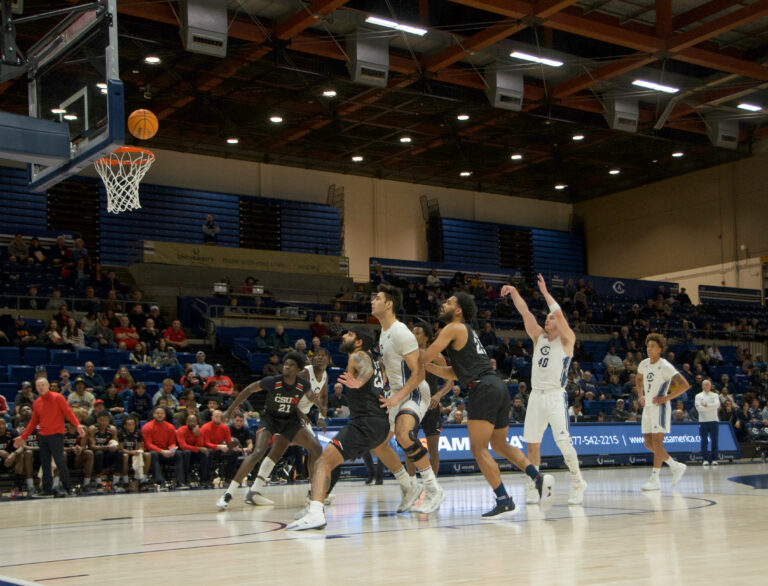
x=711, y=530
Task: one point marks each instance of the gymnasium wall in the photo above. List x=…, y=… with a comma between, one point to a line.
x=687, y=223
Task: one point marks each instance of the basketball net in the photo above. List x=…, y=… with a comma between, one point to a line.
x=121, y=173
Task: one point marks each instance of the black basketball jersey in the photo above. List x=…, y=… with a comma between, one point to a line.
x=31, y=441
x=6, y=440
x=130, y=441
x=431, y=379
x=364, y=402
x=281, y=396
x=102, y=438
x=71, y=440
x=471, y=362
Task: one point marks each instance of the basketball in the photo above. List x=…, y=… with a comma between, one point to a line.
x=142, y=124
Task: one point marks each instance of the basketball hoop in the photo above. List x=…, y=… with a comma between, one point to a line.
x=121, y=173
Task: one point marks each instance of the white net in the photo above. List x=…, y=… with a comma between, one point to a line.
x=121, y=173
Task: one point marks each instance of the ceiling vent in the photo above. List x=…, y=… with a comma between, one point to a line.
x=621, y=112
x=204, y=27
x=505, y=89
x=723, y=133
x=368, y=53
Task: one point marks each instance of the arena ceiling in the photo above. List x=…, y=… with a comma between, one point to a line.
x=283, y=54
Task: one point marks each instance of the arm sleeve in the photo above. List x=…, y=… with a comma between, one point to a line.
x=183, y=442
x=206, y=437
x=148, y=440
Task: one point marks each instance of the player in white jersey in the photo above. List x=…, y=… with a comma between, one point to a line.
x=407, y=401
x=657, y=383
x=548, y=402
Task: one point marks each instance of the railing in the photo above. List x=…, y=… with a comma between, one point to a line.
x=75, y=304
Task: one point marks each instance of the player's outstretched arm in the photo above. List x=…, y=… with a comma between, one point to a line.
x=566, y=333
x=447, y=335
x=532, y=328
x=359, y=370
x=244, y=394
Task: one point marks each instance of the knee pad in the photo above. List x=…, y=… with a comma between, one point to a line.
x=415, y=451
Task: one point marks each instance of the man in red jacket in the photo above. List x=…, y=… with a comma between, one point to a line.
x=160, y=442
x=49, y=412
x=218, y=438
x=190, y=438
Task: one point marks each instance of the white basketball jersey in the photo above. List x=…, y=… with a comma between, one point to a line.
x=394, y=344
x=656, y=378
x=550, y=365
x=317, y=385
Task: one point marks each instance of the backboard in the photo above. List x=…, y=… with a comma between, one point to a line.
x=73, y=79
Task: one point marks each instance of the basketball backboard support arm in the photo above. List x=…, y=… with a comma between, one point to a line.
x=32, y=140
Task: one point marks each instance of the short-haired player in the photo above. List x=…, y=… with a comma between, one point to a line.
x=657, y=383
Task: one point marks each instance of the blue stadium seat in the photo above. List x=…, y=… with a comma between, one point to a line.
x=116, y=358
x=34, y=355
x=89, y=355
x=62, y=357
x=10, y=355
x=18, y=373
x=185, y=357
x=9, y=391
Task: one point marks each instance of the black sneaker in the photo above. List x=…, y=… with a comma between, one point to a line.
x=60, y=493
x=504, y=508
x=369, y=481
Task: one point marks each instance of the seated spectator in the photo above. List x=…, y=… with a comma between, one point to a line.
x=73, y=335
x=60, y=254
x=166, y=392
x=103, y=442
x=164, y=355
x=149, y=334
x=103, y=336
x=242, y=434
x=279, y=340
x=611, y=359
x=139, y=355
x=715, y=357
x=517, y=413
x=126, y=335
x=81, y=401
x=175, y=336
x=52, y=337
x=160, y=440
x=187, y=406
x=88, y=324
x=25, y=396
x=246, y=406
x=154, y=315
x=727, y=385
x=114, y=403
x=22, y=337
x=576, y=412
x=573, y=388
x=301, y=348
x=635, y=411
x=32, y=300
x=54, y=302
x=201, y=367
x=337, y=401
x=336, y=329
x=18, y=251
x=319, y=328
x=211, y=404
x=137, y=317
x=224, y=383
x=98, y=409
x=433, y=281
x=682, y=297
x=89, y=302
x=619, y=413
x=210, y=231
x=589, y=387
x=139, y=403
x=488, y=338
x=37, y=252
x=191, y=380
x=4, y=411
x=458, y=414
x=123, y=379
x=218, y=439
x=192, y=444
x=94, y=382
x=273, y=367
x=613, y=387
x=261, y=342
x=64, y=383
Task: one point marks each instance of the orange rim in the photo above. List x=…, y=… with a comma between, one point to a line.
x=150, y=157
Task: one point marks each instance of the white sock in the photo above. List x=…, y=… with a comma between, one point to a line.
x=115, y=479
x=428, y=476
x=571, y=460
x=56, y=481
x=86, y=480
x=670, y=462
x=125, y=479
x=402, y=477
x=265, y=470
x=232, y=486
x=30, y=483
x=655, y=473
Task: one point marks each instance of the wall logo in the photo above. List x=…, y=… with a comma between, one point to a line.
x=619, y=288
x=457, y=468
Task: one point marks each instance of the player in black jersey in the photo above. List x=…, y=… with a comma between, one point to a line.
x=78, y=455
x=8, y=454
x=488, y=409
x=431, y=424
x=102, y=440
x=368, y=426
x=132, y=447
x=280, y=416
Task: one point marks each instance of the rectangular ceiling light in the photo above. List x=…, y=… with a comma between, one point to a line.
x=396, y=25
x=542, y=60
x=750, y=107
x=667, y=89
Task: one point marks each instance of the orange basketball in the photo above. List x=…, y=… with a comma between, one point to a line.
x=142, y=124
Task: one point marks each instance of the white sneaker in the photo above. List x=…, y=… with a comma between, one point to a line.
x=677, y=472
x=652, y=484
x=311, y=520
x=715, y=463
x=253, y=497
x=547, y=496
x=431, y=502
x=531, y=493
x=576, y=496
x=223, y=501
x=705, y=464
x=410, y=495
x=329, y=499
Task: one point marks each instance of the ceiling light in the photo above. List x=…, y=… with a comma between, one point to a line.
x=357, y=158
x=535, y=59
x=405, y=139
x=462, y=117
x=414, y=30
x=276, y=119
x=560, y=186
x=614, y=171
x=70, y=116
x=58, y=111
x=578, y=137
x=329, y=93
x=103, y=90
x=101, y=86
x=750, y=107
x=667, y=89
x=233, y=140
x=678, y=154
x=466, y=173
x=152, y=59
x=516, y=157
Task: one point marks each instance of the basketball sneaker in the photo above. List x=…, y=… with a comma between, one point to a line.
x=329, y=499
x=531, y=493
x=545, y=486
x=705, y=464
x=504, y=508
x=253, y=497
x=223, y=501
x=677, y=472
x=652, y=484
x=410, y=495
x=715, y=463
x=432, y=501
x=576, y=496
x=314, y=519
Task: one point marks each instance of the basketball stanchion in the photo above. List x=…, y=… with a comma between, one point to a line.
x=122, y=172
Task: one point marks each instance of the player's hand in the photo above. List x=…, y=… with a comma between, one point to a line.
x=659, y=400
x=542, y=283
x=434, y=402
x=389, y=403
x=166, y=453
x=203, y=451
x=223, y=448
x=507, y=290
x=77, y=449
x=350, y=381
x=18, y=442
x=81, y=430
x=641, y=400
x=323, y=424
